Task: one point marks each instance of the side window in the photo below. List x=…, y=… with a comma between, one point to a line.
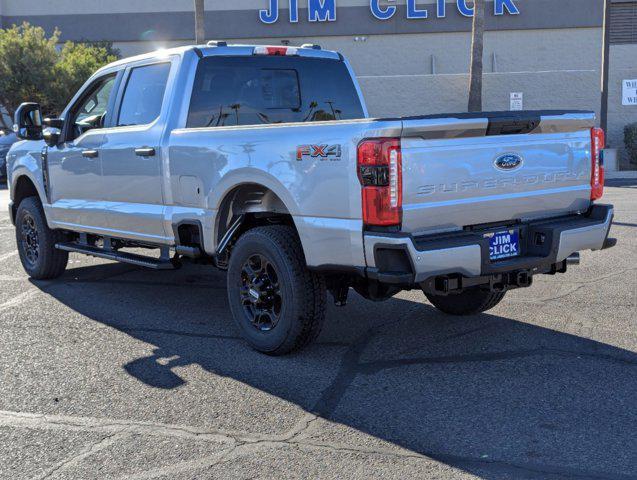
x=243, y=94
x=90, y=112
x=143, y=95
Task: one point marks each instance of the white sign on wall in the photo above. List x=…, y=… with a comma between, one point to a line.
x=629, y=92
x=517, y=101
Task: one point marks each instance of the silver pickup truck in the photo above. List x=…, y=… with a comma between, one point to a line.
x=262, y=161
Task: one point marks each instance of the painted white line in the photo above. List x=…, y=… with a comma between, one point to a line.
x=229, y=445
x=107, y=425
x=6, y=256
x=82, y=455
x=12, y=278
x=17, y=300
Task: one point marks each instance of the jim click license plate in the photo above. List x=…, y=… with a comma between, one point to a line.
x=504, y=244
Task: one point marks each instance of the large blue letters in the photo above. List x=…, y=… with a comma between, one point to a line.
x=381, y=13
x=325, y=10
x=464, y=9
x=413, y=12
x=500, y=5
x=270, y=15
x=321, y=10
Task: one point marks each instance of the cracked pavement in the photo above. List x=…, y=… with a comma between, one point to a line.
x=115, y=372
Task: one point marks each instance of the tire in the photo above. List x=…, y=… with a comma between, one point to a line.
x=277, y=303
x=469, y=302
x=36, y=242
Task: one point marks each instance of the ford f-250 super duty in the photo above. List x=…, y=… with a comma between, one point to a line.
x=263, y=161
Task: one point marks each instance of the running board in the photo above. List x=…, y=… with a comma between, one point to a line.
x=124, y=257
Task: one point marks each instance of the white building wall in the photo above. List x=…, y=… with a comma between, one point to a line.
x=408, y=74
x=428, y=73
x=623, y=66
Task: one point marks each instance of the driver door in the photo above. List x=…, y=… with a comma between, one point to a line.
x=75, y=169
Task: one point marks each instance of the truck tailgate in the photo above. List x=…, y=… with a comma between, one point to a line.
x=489, y=168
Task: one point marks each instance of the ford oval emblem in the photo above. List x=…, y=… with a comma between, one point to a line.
x=508, y=161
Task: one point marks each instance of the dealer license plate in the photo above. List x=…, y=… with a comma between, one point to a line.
x=504, y=244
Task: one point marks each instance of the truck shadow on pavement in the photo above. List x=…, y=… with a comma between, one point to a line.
x=486, y=394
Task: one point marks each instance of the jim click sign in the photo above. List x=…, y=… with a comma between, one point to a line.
x=325, y=10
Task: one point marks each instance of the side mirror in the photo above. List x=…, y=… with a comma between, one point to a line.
x=52, y=136
x=28, y=121
x=53, y=122
x=53, y=130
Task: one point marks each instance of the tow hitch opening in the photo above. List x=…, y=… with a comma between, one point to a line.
x=500, y=282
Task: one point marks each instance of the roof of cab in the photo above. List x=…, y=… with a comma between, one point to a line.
x=221, y=48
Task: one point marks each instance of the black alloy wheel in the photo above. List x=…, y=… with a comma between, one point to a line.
x=261, y=295
x=30, y=239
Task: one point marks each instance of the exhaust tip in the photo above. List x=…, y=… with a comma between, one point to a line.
x=573, y=259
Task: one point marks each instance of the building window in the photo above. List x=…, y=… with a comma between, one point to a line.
x=623, y=22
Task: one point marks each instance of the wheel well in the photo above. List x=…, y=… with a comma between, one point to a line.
x=24, y=188
x=256, y=205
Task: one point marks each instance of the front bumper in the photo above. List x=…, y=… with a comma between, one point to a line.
x=12, y=212
x=406, y=259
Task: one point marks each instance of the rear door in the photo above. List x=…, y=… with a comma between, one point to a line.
x=459, y=172
x=132, y=154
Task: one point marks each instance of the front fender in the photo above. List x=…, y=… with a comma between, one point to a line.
x=25, y=163
x=25, y=159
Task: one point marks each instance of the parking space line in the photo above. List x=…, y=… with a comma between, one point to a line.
x=6, y=256
x=106, y=425
x=17, y=300
x=85, y=452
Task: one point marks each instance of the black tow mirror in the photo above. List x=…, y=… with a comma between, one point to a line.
x=53, y=122
x=28, y=121
x=53, y=130
x=52, y=136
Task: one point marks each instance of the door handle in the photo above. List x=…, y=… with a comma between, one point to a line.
x=90, y=153
x=145, y=152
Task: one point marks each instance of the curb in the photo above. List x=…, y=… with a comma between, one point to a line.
x=621, y=175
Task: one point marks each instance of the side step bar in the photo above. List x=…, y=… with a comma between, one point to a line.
x=163, y=263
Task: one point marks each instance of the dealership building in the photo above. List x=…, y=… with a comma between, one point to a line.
x=411, y=56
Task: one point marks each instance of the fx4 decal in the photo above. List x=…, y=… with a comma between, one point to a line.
x=324, y=152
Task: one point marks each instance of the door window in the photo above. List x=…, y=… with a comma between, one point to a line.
x=91, y=110
x=144, y=94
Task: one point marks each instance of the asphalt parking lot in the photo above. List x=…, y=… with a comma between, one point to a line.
x=113, y=371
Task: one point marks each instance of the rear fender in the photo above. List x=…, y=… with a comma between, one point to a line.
x=239, y=177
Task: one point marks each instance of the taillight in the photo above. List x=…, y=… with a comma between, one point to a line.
x=277, y=51
x=597, y=163
x=380, y=174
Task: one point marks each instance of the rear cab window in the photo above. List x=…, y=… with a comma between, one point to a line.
x=274, y=89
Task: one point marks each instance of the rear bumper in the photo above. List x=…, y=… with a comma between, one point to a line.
x=407, y=259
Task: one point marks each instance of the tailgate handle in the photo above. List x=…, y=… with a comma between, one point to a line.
x=512, y=125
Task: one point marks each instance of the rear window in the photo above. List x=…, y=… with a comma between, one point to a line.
x=260, y=90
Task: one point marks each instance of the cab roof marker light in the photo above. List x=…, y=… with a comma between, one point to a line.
x=276, y=51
